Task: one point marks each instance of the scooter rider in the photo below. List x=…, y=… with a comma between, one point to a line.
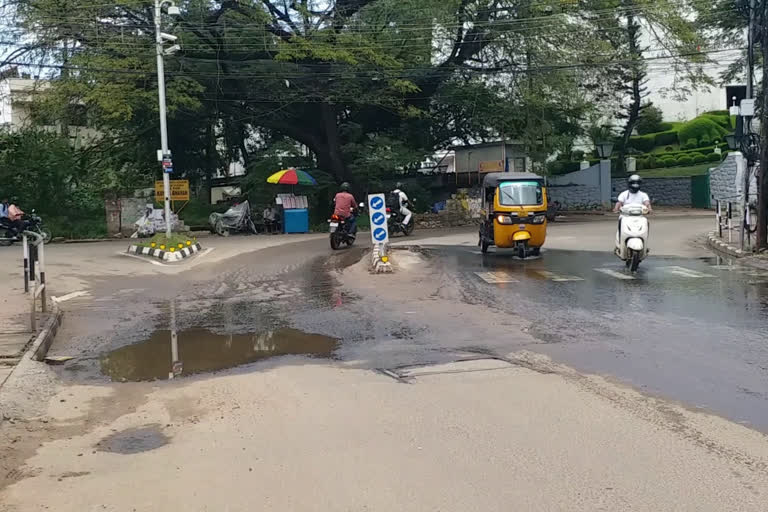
x=402, y=200
x=345, y=206
x=633, y=195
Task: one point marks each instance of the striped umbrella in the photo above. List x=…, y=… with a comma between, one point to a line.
x=291, y=177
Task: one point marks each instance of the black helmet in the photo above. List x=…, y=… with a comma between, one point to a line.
x=345, y=187
x=399, y=185
x=634, y=182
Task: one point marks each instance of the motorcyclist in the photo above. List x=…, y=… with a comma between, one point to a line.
x=402, y=200
x=14, y=218
x=345, y=207
x=633, y=195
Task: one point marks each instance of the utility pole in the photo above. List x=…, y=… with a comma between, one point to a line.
x=762, y=176
x=165, y=153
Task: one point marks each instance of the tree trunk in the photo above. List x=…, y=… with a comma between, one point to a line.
x=330, y=157
x=633, y=112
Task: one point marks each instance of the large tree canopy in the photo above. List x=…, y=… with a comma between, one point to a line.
x=355, y=81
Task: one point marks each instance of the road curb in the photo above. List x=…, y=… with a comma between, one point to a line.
x=380, y=263
x=718, y=245
x=163, y=255
x=39, y=348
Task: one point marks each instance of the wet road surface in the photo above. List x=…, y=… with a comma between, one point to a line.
x=685, y=328
x=693, y=330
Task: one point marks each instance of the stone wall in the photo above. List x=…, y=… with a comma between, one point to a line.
x=662, y=191
x=722, y=180
x=575, y=197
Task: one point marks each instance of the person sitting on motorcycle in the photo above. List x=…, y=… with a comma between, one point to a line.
x=633, y=195
x=15, y=218
x=345, y=206
x=402, y=201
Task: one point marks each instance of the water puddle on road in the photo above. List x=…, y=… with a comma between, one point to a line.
x=200, y=350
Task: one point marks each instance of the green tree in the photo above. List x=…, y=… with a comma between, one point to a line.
x=650, y=121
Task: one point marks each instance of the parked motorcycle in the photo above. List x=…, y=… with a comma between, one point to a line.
x=395, y=223
x=32, y=222
x=341, y=230
x=236, y=219
x=632, y=236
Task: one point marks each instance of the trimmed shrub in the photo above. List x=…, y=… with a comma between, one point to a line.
x=651, y=162
x=685, y=160
x=697, y=128
x=718, y=113
x=705, y=141
x=713, y=157
x=665, y=162
x=666, y=137
x=643, y=142
x=722, y=120
x=665, y=127
x=641, y=163
x=690, y=144
x=669, y=149
x=700, y=159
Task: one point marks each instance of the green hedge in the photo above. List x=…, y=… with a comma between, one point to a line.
x=723, y=120
x=700, y=159
x=644, y=143
x=699, y=127
x=666, y=127
x=665, y=137
x=685, y=160
x=666, y=162
x=714, y=157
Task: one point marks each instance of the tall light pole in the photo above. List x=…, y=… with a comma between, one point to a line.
x=165, y=152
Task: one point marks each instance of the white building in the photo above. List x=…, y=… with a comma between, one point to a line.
x=16, y=98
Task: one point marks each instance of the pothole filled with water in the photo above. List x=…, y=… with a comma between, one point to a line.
x=200, y=350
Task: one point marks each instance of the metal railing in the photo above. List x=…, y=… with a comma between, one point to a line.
x=34, y=272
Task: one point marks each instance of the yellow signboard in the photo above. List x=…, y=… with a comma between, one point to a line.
x=179, y=191
x=491, y=166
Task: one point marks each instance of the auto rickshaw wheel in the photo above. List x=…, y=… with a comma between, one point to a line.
x=536, y=251
x=521, y=252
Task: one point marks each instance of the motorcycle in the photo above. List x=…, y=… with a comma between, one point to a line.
x=340, y=231
x=32, y=222
x=395, y=223
x=632, y=236
x=236, y=219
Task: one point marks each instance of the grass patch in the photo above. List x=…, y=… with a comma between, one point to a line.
x=693, y=170
x=175, y=242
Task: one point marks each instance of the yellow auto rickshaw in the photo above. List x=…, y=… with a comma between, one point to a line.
x=514, y=212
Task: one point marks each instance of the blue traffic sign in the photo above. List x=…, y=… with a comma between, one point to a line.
x=379, y=234
x=377, y=203
x=378, y=218
x=168, y=170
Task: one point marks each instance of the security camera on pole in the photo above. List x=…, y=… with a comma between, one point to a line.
x=164, y=155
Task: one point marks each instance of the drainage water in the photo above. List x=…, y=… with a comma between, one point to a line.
x=200, y=350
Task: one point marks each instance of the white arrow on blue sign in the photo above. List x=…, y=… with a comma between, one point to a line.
x=378, y=216
x=379, y=234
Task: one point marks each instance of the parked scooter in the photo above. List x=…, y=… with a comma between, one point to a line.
x=632, y=235
x=341, y=230
x=395, y=223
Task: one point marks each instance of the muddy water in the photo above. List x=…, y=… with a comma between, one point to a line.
x=200, y=350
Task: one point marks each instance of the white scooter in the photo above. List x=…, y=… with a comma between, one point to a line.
x=632, y=235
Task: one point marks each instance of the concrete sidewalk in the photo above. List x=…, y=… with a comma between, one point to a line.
x=15, y=328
